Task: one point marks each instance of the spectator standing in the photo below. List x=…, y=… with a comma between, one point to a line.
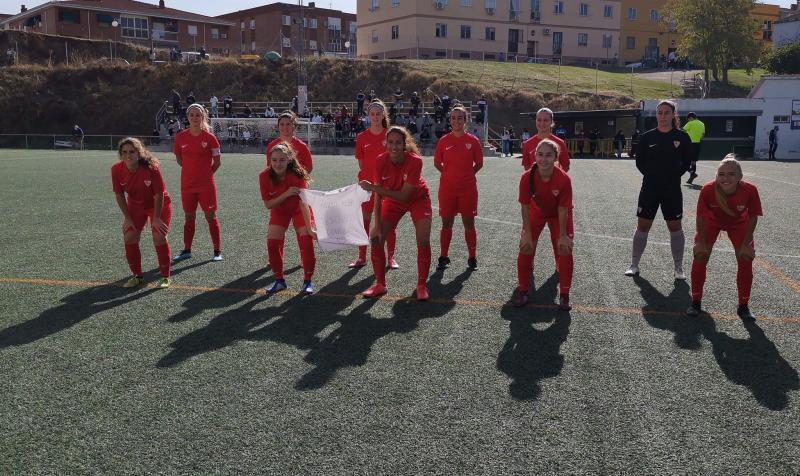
x=190, y=99
x=579, y=141
x=176, y=103
x=227, y=105
x=248, y=111
x=594, y=136
x=505, y=140
x=295, y=107
x=11, y=55
x=482, y=103
x=634, y=143
x=360, y=101
x=561, y=132
x=214, y=106
x=446, y=103
x=512, y=138
x=696, y=130
x=415, y=101
x=619, y=143
x=773, y=142
x=526, y=134
x=371, y=96
x=398, y=99
x=77, y=137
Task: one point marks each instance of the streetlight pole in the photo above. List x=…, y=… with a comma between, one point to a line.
x=115, y=24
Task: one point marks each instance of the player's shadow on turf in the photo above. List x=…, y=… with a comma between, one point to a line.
x=532, y=353
x=74, y=309
x=219, y=299
x=753, y=362
x=666, y=312
x=446, y=292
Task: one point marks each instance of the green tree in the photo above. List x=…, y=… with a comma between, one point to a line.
x=783, y=60
x=716, y=34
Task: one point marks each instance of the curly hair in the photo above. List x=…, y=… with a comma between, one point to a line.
x=408, y=141
x=293, y=166
x=146, y=159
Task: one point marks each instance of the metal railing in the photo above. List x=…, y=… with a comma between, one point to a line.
x=67, y=142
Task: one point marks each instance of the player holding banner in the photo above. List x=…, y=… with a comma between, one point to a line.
x=197, y=152
x=400, y=189
x=141, y=195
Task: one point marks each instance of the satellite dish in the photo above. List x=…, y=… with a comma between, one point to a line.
x=272, y=56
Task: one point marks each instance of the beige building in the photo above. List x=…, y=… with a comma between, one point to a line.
x=584, y=31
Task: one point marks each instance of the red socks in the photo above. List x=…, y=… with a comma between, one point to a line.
x=213, y=228
x=378, y=263
x=744, y=280
x=188, y=234
x=566, y=265
x=275, y=252
x=134, y=257
x=444, y=241
x=307, y=257
x=423, y=263
x=391, y=240
x=471, y=237
x=163, y=253
x=699, y=279
x=524, y=272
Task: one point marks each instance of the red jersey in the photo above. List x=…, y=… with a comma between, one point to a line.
x=300, y=148
x=368, y=147
x=556, y=192
x=393, y=177
x=196, y=154
x=457, y=158
x=140, y=187
x=270, y=190
x=529, y=151
x=744, y=203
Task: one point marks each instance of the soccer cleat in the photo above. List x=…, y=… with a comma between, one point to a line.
x=185, y=254
x=278, y=285
x=376, y=290
x=563, y=303
x=359, y=263
x=307, y=288
x=743, y=311
x=692, y=176
x=679, y=274
x=392, y=264
x=133, y=282
x=444, y=263
x=633, y=271
x=519, y=299
x=217, y=256
x=694, y=309
x=472, y=263
x=422, y=292
x=163, y=283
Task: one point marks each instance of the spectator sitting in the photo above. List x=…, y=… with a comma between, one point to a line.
x=227, y=106
x=248, y=112
x=398, y=99
x=317, y=119
x=269, y=112
x=77, y=137
x=190, y=99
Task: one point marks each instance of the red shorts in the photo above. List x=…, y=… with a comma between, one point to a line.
x=464, y=203
x=206, y=198
x=140, y=216
x=736, y=234
x=392, y=211
x=281, y=218
x=368, y=206
x=538, y=222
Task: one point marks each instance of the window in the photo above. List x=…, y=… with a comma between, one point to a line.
x=631, y=14
x=729, y=125
x=780, y=119
x=464, y=55
x=466, y=3
x=395, y=3
x=558, y=8
x=241, y=26
x=490, y=5
x=334, y=23
x=630, y=42
x=583, y=9
x=375, y=5
x=215, y=33
x=608, y=11
x=489, y=35
x=223, y=36
x=374, y=36
x=766, y=35
x=286, y=20
x=252, y=46
x=69, y=16
x=441, y=54
x=583, y=39
x=441, y=30
x=652, y=43
x=557, y=41
x=466, y=32
x=654, y=15
x=286, y=42
x=253, y=24
x=606, y=41
x=133, y=27
x=312, y=23
x=104, y=20
x=513, y=10
x=395, y=32
x=536, y=10
x=192, y=30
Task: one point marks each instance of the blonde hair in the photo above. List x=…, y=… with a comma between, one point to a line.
x=293, y=165
x=722, y=200
x=145, y=157
x=377, y=103
x=205, y=124
x=408, y=141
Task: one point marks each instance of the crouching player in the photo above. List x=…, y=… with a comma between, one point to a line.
x=400, y=188
x=280, y=186
x=726, y=204
x=141, y=194
x=545, y=194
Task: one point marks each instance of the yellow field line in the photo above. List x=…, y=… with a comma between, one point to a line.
x=578, y=308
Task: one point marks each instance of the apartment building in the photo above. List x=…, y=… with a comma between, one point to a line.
x=765, y=16
x=291, y=29
x=574, y=31
x=126, y=20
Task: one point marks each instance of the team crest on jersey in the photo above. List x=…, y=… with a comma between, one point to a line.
x=204, y=144
x=147, y=183
x=468, y=146
x=740, y=207
x=677, y=143
x=555, y=192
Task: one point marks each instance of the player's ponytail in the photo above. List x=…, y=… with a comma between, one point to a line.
x=722, y=201
x=146, y=159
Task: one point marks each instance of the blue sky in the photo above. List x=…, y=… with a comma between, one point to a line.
x=211, y=8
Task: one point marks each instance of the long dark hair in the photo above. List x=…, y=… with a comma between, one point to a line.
x=555, y=148
x=146, y=159
x=293, y=166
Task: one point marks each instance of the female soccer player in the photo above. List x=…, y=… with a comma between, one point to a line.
x=197, y=152
x=663, y=157
x=732, y=205
x=137, y=175
x=287, y=124
x=458, y=157
x=280, y=185
x=400, y=188
x=545, y=194
x=369, y=145
x=544, y=128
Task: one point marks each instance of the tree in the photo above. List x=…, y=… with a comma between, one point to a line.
x=783, y=60
x=716, y=34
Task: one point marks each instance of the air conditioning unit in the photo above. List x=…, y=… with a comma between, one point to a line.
x=546, y=32
x=439, y=5
x=490, y=11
